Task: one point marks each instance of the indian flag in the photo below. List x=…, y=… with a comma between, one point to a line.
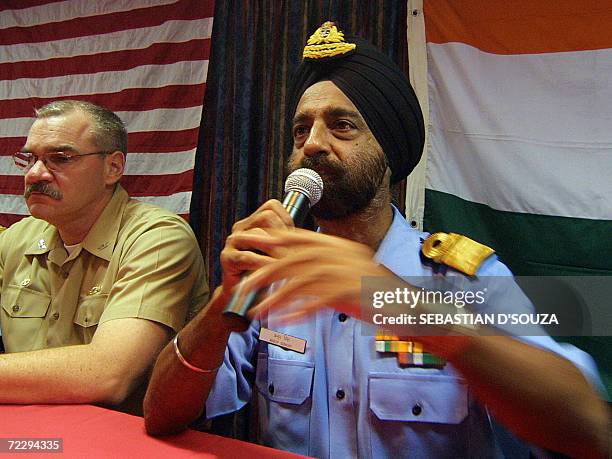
x=519, y=153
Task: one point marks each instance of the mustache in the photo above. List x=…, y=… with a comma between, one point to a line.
x=322, y=164
x=43, y=188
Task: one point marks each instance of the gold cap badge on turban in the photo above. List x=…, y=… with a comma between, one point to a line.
x=327, y=41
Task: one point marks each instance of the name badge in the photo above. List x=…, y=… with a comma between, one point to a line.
x=282, y=340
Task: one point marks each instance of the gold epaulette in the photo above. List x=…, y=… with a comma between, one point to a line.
x=2, y=228
x=457, y=251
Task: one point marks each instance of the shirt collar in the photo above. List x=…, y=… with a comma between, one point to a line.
x=400, y=248
x=100, y=240
x=46, y=241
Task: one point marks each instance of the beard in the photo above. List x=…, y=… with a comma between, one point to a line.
x=347, y=187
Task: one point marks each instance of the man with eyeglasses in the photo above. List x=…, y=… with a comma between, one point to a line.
x=94, y=283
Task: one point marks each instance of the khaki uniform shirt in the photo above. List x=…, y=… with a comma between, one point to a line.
x=138, y=260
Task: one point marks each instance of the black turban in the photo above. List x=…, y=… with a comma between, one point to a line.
x=380, y=91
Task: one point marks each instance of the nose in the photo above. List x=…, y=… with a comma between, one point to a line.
x=38, y=173
x=317, y=141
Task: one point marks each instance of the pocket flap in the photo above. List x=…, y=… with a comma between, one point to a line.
x=418, y=398
x=90, y=310
x=286, y=381
x=20, y=302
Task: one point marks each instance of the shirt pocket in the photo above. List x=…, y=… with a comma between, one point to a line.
x=24, y=313
x=87, y=316
x=285, y=403
x=439, y=399
x=412, y=409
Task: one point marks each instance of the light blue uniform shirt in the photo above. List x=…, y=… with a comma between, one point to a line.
x=343, y=399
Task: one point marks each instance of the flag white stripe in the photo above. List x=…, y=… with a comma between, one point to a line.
x=145, y=76
x=160, y=163
x=490, y=93
x=178, y=31
x=177, y=203
x=137, y=163
x=484, y=125
x=545, y=180
x=8, y=167
x=71, y=9
x=163, y=119
x=13, y=204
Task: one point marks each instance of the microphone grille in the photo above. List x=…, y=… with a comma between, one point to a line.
x=307, y=182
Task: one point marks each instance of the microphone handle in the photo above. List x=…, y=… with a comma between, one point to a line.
x=297, y=205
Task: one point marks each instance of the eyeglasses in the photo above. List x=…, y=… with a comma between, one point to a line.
x=56, y=161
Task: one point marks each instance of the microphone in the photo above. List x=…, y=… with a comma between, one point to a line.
x=303, y=189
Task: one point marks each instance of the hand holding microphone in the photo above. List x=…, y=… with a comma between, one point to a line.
x=303, y=189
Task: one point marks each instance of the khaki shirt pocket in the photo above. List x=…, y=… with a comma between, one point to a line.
x=87, y=316
x=23, y=318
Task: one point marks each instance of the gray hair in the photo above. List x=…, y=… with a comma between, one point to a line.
x=109, y=132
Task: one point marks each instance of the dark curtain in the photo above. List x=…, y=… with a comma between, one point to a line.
x=242, y=148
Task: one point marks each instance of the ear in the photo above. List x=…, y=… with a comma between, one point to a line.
x=114, y=165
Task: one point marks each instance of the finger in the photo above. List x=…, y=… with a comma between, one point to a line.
x=299, y=237
x=271, y=214
x=332, y=268
x=237, y=261
x=255, y=239
x=293, y=317
x=295, y=267
x=312, y=294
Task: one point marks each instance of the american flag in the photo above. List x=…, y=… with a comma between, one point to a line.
x=147, y=60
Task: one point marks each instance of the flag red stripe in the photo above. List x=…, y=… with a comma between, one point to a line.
x=158, y=185
x=163, y=141
x=139, y=142
x=11, y=184
x=8, y=219
x=23, y=4
x=157, y=54
x=134, y=99
x=136, y=185
x=107, y=23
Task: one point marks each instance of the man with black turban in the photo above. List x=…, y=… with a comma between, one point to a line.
x=325, y=383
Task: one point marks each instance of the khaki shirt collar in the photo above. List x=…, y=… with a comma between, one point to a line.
x=100, y=240
x=46, y=241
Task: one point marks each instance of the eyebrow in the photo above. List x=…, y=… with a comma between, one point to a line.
x=336, y=112
x=67, y=148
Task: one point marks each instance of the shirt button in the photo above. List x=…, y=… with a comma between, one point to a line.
x=64, y=273
x=416, y=409
x=16, y=308
x=55, y=316
x=342, y=317
x=271, y=389
x=340, y=394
